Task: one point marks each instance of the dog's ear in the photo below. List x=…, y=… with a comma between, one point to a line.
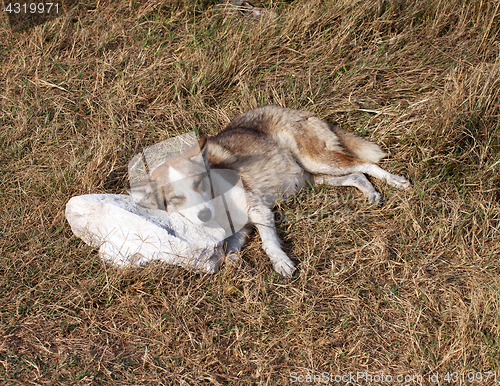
x=199, y=149
x=144, y=194
x=204, y=148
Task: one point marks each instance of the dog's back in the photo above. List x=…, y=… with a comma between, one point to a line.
x=277, y=149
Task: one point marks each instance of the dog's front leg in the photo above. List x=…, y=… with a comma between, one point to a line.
x=235, y=242
x=262, y=217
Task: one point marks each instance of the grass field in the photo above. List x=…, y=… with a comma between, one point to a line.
x=410, y=289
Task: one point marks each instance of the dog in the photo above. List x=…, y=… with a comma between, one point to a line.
x=275, y=151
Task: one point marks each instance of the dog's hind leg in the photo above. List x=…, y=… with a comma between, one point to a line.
x=327, y=150
x=343, y=170
x=377, y=172
x=358, y=180
x=262, y=217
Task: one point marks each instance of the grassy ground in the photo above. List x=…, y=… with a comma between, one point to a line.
x=409, y=289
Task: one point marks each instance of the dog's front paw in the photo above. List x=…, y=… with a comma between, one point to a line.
x=231, y=258
x=375, y=197
x=398, y=181
x=285, y=267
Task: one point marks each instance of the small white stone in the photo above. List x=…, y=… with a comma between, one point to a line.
x=128, y=234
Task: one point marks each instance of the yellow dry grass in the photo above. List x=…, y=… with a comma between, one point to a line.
x=410, y=288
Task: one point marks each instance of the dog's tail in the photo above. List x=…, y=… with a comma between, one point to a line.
x=359, y=147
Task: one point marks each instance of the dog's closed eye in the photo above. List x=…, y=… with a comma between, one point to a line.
x=176, y=200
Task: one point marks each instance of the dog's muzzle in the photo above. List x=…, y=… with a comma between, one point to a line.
x=205, y=215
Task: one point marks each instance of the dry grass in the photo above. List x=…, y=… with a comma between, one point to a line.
x=409, y=288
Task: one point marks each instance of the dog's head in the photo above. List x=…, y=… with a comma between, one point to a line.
x=181, y=184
